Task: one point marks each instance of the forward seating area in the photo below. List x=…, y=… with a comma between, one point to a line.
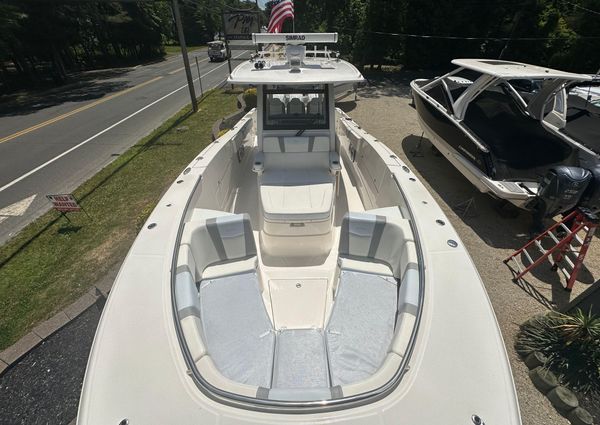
x=228, y=327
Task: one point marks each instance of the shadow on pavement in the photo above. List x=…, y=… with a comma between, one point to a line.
x=381, y=84
x=505, y=231
x=82, y=87
x=346, y=106
x=559, y=298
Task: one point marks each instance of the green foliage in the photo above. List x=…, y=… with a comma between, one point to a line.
x=41, y=41
x=374, y=32
x=572, y=344
x=249, y=97
x=176, y=49
x=223, y=132
x=46, y=40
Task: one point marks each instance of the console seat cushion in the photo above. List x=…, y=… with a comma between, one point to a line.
x=296, y=195
x=361, y=326
x=238, y=332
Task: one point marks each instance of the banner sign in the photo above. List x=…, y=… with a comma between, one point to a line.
x=239, y=25
x=64, y=202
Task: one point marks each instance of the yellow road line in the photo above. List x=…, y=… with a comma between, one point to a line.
x=183, y=67
x=177, y=70
x=75, y=111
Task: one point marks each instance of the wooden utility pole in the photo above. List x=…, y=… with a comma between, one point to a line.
x=226, y=40
x=186, y=61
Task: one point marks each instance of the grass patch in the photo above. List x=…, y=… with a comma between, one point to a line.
x=52, y=261
x=172, y=50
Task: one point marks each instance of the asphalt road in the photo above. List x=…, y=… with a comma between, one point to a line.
x=52, y=142
x=44, y=387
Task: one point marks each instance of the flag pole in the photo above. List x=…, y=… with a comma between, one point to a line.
x=294, y=18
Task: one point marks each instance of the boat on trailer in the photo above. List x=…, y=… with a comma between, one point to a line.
x=297, y=271
x=502, y=125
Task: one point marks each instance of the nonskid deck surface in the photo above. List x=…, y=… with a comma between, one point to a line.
x=296, y=316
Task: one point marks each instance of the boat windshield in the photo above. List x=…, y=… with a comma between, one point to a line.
x=295, y=107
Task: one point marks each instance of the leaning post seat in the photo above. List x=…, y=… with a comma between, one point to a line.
x=223, y=317
x=296, y=180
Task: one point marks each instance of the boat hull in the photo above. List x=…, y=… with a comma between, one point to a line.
x=452, y=140
x=458, y=362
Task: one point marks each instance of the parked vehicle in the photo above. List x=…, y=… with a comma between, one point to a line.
x=217, y=51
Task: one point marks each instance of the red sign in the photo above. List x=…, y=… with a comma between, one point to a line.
x=64, y=203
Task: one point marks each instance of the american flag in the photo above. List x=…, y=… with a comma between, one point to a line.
x=280, y=11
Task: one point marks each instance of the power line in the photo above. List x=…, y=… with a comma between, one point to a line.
x=451, y=37
x=585, y=8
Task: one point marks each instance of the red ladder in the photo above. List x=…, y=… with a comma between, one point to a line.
x=580, y=220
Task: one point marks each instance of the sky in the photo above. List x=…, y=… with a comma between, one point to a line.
x=261, y=3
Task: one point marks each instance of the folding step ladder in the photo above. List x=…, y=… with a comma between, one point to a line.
x=565, y=240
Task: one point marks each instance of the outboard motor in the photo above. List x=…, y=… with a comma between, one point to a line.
x=562, y=188
x=560, y=191
x=591, y=197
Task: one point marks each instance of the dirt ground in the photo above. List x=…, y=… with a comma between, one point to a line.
x=490, y=233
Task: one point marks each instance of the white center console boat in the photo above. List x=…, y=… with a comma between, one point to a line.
x=298, y=272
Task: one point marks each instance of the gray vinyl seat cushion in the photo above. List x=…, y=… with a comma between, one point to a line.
x=361, y=326
x=238, y=332
x=296, y=106
x=186, y=295
x=375, y=238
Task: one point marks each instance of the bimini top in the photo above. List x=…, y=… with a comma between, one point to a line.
x=285, y=59
x=508, y=70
